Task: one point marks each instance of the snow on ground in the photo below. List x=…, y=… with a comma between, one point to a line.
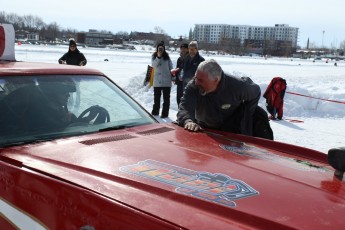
x=323, y=125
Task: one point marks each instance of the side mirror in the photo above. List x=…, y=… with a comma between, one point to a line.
x=336, y=158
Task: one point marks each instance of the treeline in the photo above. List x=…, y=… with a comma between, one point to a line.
x=52, y=32
x=29, y=24
x=35, y=24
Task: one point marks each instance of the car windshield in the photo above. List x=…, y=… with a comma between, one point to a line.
x=38, y=108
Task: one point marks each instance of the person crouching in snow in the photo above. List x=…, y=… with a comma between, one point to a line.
x=274, y=95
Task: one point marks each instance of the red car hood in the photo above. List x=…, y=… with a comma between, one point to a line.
x=196, y=179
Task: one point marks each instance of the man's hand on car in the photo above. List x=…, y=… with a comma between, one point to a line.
x=192, y=126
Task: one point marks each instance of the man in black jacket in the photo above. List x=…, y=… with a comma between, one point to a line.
x=191, y=62
x=73, y=56
x=177, y=72
x=216, y=100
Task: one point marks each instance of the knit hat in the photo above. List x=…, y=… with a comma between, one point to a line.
x=184, y=45
x=72, y=42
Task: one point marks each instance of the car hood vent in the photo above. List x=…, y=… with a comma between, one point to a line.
x=125, y=136
x=107, y=139
x=155, y=131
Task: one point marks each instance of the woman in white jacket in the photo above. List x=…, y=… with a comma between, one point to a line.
x=162, y=82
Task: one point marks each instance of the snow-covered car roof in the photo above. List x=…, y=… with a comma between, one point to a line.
x=95, y=159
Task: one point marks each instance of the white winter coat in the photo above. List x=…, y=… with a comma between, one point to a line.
x=162, y=74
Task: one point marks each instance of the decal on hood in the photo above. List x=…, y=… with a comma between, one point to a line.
x=260, y=153
x=217, y=187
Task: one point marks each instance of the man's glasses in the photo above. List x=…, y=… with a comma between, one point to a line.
x=72, y=46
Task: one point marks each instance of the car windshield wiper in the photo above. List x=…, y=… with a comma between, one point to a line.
x=116, y=127
x=53, y=136
x=40, y=138
x=23, y=142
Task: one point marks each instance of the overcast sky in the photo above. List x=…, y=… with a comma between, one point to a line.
x=177, y=17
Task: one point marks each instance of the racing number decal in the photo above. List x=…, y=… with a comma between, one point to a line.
x=18, y=218
x=217, y=188
x=2, y=40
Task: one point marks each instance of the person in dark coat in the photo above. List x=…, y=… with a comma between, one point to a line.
x=213, y=99
x=177, y=72
x=191, y=62
x=73, y=56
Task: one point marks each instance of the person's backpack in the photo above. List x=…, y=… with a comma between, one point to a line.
x=261, y=124
x=274, y=95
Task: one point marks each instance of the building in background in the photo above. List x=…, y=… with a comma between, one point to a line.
x=280, y=38
x=95, y=38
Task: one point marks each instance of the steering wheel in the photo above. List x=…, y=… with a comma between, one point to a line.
x=97, y=113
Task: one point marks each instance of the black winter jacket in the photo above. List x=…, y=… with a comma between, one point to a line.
x=179, y=64
x=189, y=67
x=214, y=109
x=73, y=58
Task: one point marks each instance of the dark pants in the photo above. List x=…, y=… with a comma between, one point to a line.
x=157, y=93
x=179, y=92
x=261, y=125
x=233, y=123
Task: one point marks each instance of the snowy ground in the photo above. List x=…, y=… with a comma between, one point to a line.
x=323, y=125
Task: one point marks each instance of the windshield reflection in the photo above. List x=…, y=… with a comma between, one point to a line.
x=55, y=106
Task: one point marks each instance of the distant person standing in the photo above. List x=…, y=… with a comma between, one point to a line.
x=191, y=62
x=177, y=72
x=73, y=56
x=162, y=82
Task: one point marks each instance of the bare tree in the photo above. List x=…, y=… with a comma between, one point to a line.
x=158, y=30
x=122, y=33
x=190, y=35
x=28, y=22
x=2, y=17
x=33, y=23
x=52, y=31
x=13, y=19
x=342, y=45
x=69, y=33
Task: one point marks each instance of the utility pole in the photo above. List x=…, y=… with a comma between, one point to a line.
x=323, y=34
